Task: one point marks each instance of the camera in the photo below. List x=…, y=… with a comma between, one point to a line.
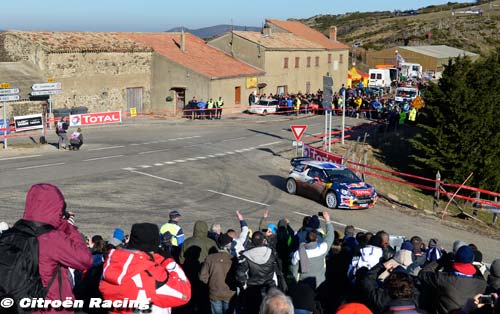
x=320, y=214
x=485, y=299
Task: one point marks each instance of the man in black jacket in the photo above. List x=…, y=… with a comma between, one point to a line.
x=451, y=287
x=256, y=273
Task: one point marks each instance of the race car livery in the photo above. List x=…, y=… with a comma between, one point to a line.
x=331, y=183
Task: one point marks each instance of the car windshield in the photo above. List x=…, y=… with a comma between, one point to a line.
x=342, y=175
x=406, y=93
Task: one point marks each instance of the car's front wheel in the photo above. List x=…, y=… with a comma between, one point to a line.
x=291, y=186
x=331, y=200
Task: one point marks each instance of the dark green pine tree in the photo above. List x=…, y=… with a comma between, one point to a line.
x=461, y=124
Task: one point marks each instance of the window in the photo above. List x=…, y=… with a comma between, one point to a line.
x=282, y=90
x=308, y=87
x=285, y=63
x=316, y=61
x=297, y=62
x=308, y=62
x=237, y=95
x=341, y=58
x=329, y=58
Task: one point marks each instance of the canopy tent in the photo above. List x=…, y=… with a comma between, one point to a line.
x=354, y=76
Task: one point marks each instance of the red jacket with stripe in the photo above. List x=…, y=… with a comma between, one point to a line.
x=136, y=275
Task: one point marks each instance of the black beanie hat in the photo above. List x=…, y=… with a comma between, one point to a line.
x=144, y=237
x=302, y=297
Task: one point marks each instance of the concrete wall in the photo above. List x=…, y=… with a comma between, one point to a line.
x=242, y=49
x=226, y=88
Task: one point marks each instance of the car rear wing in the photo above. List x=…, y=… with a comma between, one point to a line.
x=298, y=160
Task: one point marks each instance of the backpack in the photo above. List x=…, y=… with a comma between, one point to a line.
x=19, y=262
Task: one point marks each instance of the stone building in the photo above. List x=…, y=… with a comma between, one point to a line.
x=294, y=56
x=118, y=71
x=98, y=70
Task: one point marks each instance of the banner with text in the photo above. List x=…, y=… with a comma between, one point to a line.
x=29, y=122
x=321, y=155
x=95, y=118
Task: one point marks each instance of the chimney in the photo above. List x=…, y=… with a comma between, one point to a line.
x=183, y=41
x=333, y=33
x=266, y=31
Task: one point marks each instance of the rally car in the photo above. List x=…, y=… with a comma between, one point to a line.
x=331, y=183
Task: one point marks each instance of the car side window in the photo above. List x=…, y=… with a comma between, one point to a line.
x=313, y=172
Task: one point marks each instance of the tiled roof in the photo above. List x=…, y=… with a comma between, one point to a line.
x=439, y=51
x=198, y=56
x=59, y=42
x=303, y=31
x=277, y=40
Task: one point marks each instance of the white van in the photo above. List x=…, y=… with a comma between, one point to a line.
x=264, y=107
x=382, y=77
x=406, y=94
x=411, y=70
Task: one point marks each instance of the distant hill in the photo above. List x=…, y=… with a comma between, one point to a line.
x=214, y=31
x=477, y=33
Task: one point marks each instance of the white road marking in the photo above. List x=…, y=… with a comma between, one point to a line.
x=337, y=223
x=237, y=197
x=220, y=154
x=179, y=160
x=20, y=157
x=153, y=151
x=191, y=159
x=135, y=144
x=104, y=148
x=234, y=139
x=211, y=156
x=269, y=144
x=239, y=150
x=156, y=177
x=41, y=166
x=314, y=134
x=129, y=169
x=145, y=166
x=100, y=158
x=230, y=153
x=169, y=162
x=158, y=164
x=201, y=157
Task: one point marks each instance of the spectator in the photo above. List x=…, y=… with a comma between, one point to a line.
x=308, y=224
x=452, y=286
x=494, y=277
x=308, y=262
x=61, y=128
x=199, y=245
x=276, y=302
x=256, y=273
x=239, y=241
x=303, y=298
x=401, y=292
x=218, y=273
x=3, y=227
x=140, y=273
x=76, y=140
x=59, y=249
x=176, y=233
x=214, y=232
x=353, y=308
x=349, y=231
x=118, y=237
x=201, y=105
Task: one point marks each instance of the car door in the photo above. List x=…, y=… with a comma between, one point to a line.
x=310, y=182
x=319, y=186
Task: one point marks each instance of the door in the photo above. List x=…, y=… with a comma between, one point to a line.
x=134, y=98
x=237, y=95
x=311, y=185
x=180, y=98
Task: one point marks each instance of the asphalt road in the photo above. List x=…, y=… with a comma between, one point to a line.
x=205, y=169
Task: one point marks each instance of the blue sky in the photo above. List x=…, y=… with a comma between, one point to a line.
x=160, y=15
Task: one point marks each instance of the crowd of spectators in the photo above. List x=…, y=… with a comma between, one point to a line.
x=271, y=268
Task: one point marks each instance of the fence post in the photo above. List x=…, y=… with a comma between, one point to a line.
x=365, y=161
x=474, y=211
x=437, y=193
x=495, y=215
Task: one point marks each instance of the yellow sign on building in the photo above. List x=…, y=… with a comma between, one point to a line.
x=51, y=80
x=417, y=103
x=251, y=82
x=4, y=85
x=133, y=112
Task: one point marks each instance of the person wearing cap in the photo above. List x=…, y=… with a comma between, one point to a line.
x=177, y=235
x=308, y=262
x=452, y=286
x=494, y=277
x=217, y=272
x=118, y=237
x=141, y=272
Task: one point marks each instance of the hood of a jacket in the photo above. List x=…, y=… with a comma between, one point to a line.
x=200, y=229
x=44, y=203
x=258, y=255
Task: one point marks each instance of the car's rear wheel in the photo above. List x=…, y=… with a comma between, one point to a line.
x=291, y=186
x=331, y=200
x=264, y=112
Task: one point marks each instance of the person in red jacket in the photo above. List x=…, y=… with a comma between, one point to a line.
x=139, y=272
x=61, y=248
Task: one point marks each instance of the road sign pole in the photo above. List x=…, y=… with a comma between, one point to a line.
x=4, y=125
x=330, y=133
x=325, y=138
x=50, y=111
x=343, y=117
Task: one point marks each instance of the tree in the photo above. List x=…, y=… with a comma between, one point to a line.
x=460, y=125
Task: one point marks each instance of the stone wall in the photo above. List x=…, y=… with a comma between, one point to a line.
x=14, y=48
x=22, y=108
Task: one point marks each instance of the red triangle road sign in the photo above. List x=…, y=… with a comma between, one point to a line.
x=298, y=131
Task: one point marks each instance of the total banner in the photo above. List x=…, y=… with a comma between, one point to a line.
x=95, y=118
x=321, y=155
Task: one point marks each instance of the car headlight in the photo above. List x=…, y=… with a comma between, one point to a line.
x=345, y=192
